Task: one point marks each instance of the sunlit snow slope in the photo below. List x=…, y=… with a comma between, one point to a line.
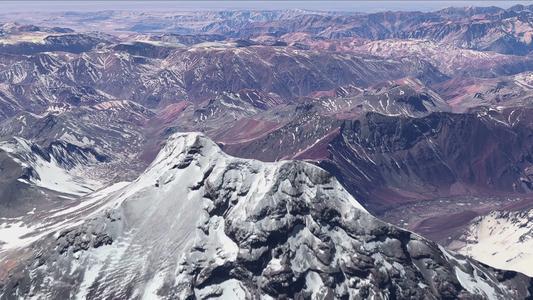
x=501, y=239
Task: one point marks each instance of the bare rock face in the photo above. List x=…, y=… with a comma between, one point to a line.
x=199, y=223
x=377, y=155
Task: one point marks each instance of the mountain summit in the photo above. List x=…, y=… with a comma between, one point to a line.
x=199, y=224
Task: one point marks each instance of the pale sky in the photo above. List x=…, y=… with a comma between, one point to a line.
x=154, y=5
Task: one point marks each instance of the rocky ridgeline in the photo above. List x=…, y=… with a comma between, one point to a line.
x=199, y=223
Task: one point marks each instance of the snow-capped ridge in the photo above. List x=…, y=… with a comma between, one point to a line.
x=180, y=144
x=183, y=150
x=199, y=223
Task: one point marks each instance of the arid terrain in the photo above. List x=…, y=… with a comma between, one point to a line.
x=310, y=128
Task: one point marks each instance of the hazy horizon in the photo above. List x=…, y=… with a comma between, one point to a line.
x=355, y=6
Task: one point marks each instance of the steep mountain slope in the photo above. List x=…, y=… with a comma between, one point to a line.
x=425, y=118
x=501, y=239
x=402, y=97
x=112, y=129
x=198, y=224
x=19, y=196
x=36, y=179
x=196, y=73
x=450, y=60
x=438, y=155
x=509, y=91
x=56, y=167
x=389, y=159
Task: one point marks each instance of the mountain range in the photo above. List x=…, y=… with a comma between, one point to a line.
x=256, y=154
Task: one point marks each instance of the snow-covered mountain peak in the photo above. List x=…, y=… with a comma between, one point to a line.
x=189, y=156
x=201, y=224
x=181, y=148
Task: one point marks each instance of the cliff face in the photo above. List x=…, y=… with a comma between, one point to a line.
x=439, y=155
